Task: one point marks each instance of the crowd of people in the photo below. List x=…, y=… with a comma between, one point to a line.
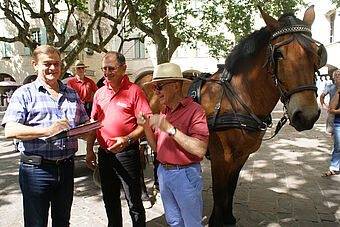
x=179, y=134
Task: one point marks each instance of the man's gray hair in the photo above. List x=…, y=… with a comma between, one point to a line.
x=335, y=71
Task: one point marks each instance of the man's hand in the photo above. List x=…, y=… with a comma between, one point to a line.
x=91, y=159
x=142, y=120
x=58, y=126
x=157, y=121
x=121, y=143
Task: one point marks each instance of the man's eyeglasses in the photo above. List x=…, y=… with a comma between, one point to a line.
x=109, y=68
x=158, y=87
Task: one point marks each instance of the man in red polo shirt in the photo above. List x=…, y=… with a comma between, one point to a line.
x=85, y=87
x=180, y=139
x=117, y=105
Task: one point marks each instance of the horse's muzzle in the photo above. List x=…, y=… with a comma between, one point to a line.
x=304, y=119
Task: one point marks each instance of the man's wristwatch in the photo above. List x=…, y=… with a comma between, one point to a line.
x=172, y=131
x=129, y=139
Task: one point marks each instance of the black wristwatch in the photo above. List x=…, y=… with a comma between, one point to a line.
x=172, y=131
x=129, y=139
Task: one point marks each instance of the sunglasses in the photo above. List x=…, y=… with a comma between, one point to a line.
x=109, y=68
x=158, y=87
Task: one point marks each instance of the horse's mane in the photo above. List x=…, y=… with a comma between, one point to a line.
x=250, y=45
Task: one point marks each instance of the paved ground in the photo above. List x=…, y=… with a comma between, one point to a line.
x=280, y=185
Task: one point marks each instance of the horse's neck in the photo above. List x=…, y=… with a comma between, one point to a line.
x=257, y=91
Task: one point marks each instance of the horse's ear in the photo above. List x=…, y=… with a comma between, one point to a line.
x=309, y=16
x=272, y=24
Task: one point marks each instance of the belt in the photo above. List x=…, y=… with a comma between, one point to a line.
x=174, y=166
x=57, y=162
x=38, y=160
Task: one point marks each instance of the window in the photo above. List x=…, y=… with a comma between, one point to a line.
x=139, y=49
x=331, y=21
x=36, y=36
x=6, y=50
x=67, y=36
x=114, y=44
x=91, y=39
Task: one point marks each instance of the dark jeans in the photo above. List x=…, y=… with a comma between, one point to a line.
x=46, y=185
x=123, y=169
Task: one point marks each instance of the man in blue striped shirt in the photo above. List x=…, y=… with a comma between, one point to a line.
x=36, y=111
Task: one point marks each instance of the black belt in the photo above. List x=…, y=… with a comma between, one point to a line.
x=38, y=160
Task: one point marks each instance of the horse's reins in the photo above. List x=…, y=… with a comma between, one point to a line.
x=271, y=61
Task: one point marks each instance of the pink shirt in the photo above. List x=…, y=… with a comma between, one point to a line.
x=83, y=88
x=118, y=110
x=188, y=117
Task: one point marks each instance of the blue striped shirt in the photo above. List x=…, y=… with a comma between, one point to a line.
x=33, y=105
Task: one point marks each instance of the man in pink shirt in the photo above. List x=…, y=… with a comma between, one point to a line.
x=117, y=105
x=180, y=139
x=85, y=87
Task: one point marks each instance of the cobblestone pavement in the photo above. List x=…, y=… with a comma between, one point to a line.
x=280, y=185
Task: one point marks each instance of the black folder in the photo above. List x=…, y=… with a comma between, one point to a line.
x=69, y=132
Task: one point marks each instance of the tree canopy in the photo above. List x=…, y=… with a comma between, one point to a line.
x=70, y=24
x=337, y=3
x=171, y=23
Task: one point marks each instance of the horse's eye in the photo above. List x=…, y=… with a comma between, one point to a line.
x=278, y=55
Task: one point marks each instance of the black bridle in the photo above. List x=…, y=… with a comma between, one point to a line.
x=251, y=121
x=272, y=60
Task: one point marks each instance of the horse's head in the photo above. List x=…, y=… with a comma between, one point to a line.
x=293, y=59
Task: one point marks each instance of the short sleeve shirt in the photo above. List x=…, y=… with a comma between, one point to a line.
x=118, y=110
x=33, y=105
x=188, y=117
x=330, y=89
x=83, y=88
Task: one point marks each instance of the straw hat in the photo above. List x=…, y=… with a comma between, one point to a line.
x=167, y=71
x=80, y=64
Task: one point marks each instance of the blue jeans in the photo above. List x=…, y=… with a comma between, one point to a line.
x=123, y=169
x=181, y=191
x=46, y=185
x=335, y=161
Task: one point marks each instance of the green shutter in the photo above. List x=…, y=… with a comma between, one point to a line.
x=43, y=36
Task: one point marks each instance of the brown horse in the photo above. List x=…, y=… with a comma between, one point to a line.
x=277, y=61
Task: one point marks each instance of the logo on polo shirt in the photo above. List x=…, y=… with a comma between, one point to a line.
x=121, y=104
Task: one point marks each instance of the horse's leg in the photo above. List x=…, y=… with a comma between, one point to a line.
x=225, y=171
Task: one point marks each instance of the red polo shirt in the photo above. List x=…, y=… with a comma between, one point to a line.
x=118, y=110
x=83, y=88
x=188, y=117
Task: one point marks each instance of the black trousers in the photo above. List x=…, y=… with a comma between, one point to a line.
x=123, y=169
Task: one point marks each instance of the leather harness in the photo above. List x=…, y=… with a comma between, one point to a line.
x=220, y=122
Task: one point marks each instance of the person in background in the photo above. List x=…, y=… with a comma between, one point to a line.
x=38, y=110
x=84, y=86
x=117, y=105
x=330, y=90
x=180, y=139
x=334, y=123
